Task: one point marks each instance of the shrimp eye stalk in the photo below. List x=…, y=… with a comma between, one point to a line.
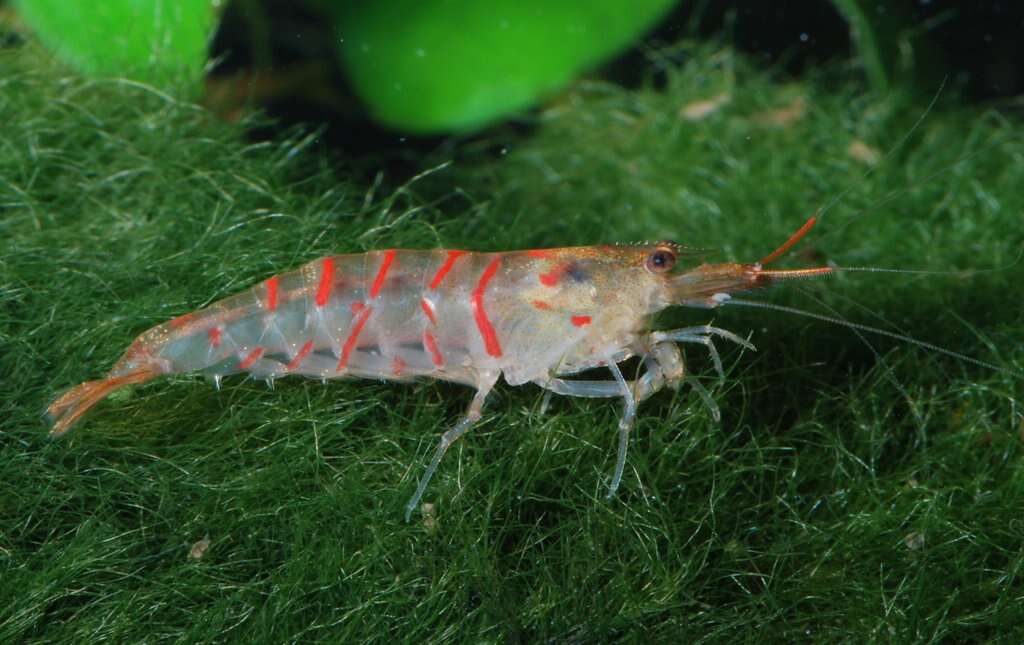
x=661, y=260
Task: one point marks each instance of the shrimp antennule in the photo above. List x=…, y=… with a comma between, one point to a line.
x=711, y=284
x=788, y=244
x=782, y=274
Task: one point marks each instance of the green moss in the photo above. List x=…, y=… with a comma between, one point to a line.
x=820, y=507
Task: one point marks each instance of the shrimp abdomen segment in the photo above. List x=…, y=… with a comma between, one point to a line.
x=368, y=315
x=383, y=314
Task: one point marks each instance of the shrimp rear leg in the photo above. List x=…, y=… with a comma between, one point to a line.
x=485, y=383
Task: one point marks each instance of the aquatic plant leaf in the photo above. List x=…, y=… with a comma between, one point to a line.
x=456, y=65
x=149, y=40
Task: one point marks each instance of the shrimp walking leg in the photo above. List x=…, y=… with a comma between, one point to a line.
x=669, y=361
x=625, y=425
x=582, y=389
x=664, y=363
x=653, y=380
x=664, y=366
x=485, y=384
x=702, y=334
x=706, y=397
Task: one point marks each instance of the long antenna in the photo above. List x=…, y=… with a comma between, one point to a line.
x=874, y=330
x=892, y=150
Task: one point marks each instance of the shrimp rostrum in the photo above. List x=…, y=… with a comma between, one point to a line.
x=539, y=316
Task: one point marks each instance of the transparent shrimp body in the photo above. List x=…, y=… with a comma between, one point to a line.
x=536, y=316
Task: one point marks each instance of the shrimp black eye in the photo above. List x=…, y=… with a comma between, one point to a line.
x=661, y=261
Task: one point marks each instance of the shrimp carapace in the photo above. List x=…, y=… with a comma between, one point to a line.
x=529, y=316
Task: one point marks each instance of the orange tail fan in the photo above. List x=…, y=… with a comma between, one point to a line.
x=69, y=408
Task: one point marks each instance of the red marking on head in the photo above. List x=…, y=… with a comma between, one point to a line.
x=397, y=366
x=385, y=265
x=476, y=303
x=554, y=276
x=430, y=343
x=580, y=321
x=539, y=253
x=272, y=285
x=353, y=336
x=551, y=278
x=182, y=320
x=323, y=291
x=428, y=310
x=540, y=304
x=251, y=359
x=445, y=268
x=301, y=356
x=356, y=307
x=214, y=334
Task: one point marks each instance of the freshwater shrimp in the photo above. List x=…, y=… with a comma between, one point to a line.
x=536, y=316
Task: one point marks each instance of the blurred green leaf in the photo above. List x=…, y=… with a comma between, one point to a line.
x=875, y=41
x=893, y=47
x=150, y=40
x=460, y=64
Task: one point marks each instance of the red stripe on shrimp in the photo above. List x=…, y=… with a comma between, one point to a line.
x=428, y=310
x=301, y=356
x=430, y=343
x=214, y=334
x=397, y=366
x=476, y=302
x=353, y=336
x=580, y=321
x=272, y=285
x=323, y=291
x=445, y=268
x=251, y=359
x=382, y=273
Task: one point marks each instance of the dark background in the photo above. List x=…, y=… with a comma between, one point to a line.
x=972, y=50
x=977, y=46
